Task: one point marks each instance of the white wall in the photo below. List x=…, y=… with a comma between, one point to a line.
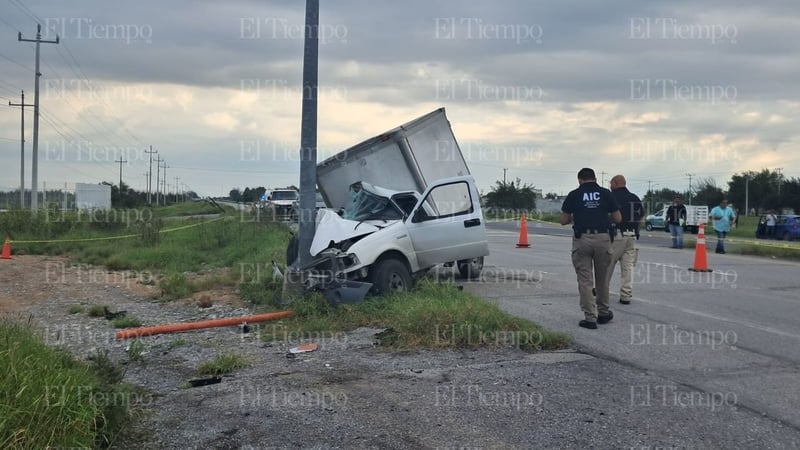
x=92, y=196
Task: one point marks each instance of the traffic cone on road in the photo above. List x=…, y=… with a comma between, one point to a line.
x=6, y=249
x=700, y=256
x=523, y=233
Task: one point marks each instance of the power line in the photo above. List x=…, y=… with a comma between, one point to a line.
x=76, y=68
x=20, y=6
x=15, y=62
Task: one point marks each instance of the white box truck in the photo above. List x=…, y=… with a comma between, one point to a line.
x=406, y=202
x=695, y=215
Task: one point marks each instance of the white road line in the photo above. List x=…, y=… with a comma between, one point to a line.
x=723, y=319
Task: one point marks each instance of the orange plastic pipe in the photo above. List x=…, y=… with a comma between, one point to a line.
x=178, y=327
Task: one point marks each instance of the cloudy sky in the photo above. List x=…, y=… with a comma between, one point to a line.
x=653, y=90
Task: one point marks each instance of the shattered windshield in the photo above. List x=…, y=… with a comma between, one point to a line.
x=364, y=205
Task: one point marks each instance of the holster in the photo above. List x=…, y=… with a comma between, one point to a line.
x=577, y=233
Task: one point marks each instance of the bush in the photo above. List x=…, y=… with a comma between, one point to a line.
x=175, y=286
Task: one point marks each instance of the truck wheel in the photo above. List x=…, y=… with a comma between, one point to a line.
x=470, y=268
x=648, y=226
x=391, y=275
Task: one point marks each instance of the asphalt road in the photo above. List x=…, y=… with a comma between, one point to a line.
x=732, y=334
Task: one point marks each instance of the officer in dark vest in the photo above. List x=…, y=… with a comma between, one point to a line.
x=623, y=248
x=591, y=209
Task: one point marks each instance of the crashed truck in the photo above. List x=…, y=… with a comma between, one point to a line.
x=399, y=203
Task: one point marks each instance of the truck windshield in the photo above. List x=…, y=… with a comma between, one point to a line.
x=364, y=205
x=284, y=195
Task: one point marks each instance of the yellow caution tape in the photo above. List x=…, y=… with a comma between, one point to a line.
x=108, y=238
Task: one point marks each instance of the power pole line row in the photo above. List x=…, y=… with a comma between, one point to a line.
x=120, y=161
x=150, y=174
x=37, y=74
x=22, y=106
x=158, y=179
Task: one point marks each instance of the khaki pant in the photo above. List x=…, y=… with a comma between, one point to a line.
x=591, y=257
x=624, y=251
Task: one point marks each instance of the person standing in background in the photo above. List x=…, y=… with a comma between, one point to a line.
x=771, y=220
x=623, y=247
x=676, y=218
x=723, y=217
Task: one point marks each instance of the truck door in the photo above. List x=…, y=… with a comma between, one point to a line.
x=447, y=223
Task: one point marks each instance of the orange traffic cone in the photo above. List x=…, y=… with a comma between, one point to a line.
x=700, y=257
x=523, y=233
x=6, y=249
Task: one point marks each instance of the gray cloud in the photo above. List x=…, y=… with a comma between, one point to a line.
x=703, y=66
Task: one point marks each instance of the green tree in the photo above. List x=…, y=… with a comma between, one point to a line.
x=706, y=192
x=759, y=192
x=655, y=199
x=519, y=196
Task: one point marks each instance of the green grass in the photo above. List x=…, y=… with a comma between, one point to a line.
x=745, y=229
x=176, y=342
x=136, y=351
x=235, y=241
x=435, y=315
x=222, y=364
x=126, y=321
x=48, y=399
x=75, y=309
x=510, y=215
x=189, y=209
x=97, y=311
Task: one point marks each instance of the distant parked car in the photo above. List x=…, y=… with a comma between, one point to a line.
x=787, y=227
x=655, y=220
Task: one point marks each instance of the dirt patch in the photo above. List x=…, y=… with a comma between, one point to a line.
x=349, y=393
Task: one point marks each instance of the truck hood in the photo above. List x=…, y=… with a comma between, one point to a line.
x=332, y=228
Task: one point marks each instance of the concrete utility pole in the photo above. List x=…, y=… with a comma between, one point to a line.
x=308, y=132
x=746, y=195
x=690, y=175
x=780, y=179
x=22, y=106
x=504, y=175
x=650, y=193
x=120, y=161
x=164, y=182
x=158, y=180
x=603, y=179
x=35, y=165
x=176, y=189
x=150, y=171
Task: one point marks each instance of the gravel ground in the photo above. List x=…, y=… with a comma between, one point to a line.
x=350, y=393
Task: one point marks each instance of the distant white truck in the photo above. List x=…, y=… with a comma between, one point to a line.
x=695, y=215
x=280, y=203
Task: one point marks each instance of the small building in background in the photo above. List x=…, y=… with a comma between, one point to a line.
x=92, y=196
